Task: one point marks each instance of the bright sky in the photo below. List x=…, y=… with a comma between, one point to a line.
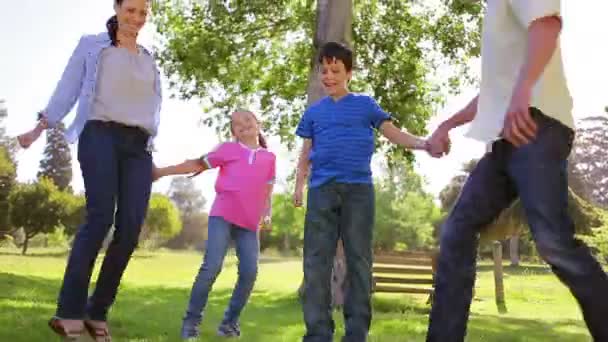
x=38, y=37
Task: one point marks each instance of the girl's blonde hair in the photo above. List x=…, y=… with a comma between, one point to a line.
x=261, y=138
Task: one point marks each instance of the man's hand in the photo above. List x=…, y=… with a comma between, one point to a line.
x=519, y=127
x=298, y=197
x=439, y=142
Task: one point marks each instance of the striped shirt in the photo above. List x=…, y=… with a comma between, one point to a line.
x=342, y=134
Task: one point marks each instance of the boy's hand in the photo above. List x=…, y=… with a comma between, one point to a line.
x=298, y=196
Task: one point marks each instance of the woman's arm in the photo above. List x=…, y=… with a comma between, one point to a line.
x=69, y=87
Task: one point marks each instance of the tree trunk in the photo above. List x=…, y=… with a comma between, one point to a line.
x=25, y=244
x=514, y=250
x=334, y=24
x=498, y=277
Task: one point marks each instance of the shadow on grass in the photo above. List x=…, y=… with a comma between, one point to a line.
x=506, y=329
x=154, y=313
x=55, y=254
x=140, y=313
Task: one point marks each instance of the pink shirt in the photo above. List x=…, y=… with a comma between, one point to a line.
x=242, y=184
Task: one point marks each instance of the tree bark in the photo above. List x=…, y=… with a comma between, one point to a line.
x=334, y=24
x=514, y=250
x=499, y=288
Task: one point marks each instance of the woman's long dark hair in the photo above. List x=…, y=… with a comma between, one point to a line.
x=112, y=25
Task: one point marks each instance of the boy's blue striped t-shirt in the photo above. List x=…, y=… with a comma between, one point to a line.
x=342, y=134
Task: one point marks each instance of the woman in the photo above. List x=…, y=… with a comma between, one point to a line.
x=117, y=86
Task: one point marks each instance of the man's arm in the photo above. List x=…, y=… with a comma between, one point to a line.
x=464, y=116
x=439, y=142
x=402, y=138
x=543, y=34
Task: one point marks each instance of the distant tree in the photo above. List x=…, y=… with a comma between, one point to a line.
x=512, y=220
x=56, y=163
x=404, y=212
x=162, y=220
x=7, y=182
x=588, y=172
x=193, y=233
x=287, y=222
x=186, y=196
x=37, y=208
x=6, y=141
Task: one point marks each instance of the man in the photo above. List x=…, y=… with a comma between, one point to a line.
x=524, y=113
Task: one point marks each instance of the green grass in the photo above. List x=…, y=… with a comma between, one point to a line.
x=156, y=286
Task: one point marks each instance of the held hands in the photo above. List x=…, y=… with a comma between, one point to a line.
x=519, y=127
x=439, y=143
x=27, y=139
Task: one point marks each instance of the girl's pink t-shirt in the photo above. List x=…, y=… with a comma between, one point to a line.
x=242, y=185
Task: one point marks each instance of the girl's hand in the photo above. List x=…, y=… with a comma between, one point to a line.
x=266, y=222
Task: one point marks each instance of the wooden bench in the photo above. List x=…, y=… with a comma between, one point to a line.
x=405, y=272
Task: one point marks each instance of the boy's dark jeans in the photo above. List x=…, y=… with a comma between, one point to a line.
x=117, y=173
x=338, y=210
x=537, y=173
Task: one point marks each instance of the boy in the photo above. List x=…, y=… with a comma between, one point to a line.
x=338, y=133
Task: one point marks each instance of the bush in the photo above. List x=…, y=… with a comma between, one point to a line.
x=598, y=242
x=58, y=238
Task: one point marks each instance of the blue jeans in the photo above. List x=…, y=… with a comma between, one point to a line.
x=117, y=173
x=346, y=211
x=537, y=173
x=219, y=234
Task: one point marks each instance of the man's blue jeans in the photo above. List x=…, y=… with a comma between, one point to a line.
x=346, y=211
x=537, y=173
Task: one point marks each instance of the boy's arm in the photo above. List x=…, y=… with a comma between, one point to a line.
x=402, y=138
x=302, y=170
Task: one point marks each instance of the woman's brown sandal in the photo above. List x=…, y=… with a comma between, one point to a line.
x=57, y=326
x=99, y=334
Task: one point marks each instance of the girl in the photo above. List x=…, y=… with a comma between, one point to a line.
x=244, y=188
x=117, y=86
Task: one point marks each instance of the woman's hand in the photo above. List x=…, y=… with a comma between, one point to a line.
x=27, y=139
x=157, y=173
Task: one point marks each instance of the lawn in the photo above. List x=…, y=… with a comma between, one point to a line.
x=156, y=286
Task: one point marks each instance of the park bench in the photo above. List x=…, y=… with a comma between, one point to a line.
x=405, y=272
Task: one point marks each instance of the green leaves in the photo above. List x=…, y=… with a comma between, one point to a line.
x=163, y=218
x=257, y=54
